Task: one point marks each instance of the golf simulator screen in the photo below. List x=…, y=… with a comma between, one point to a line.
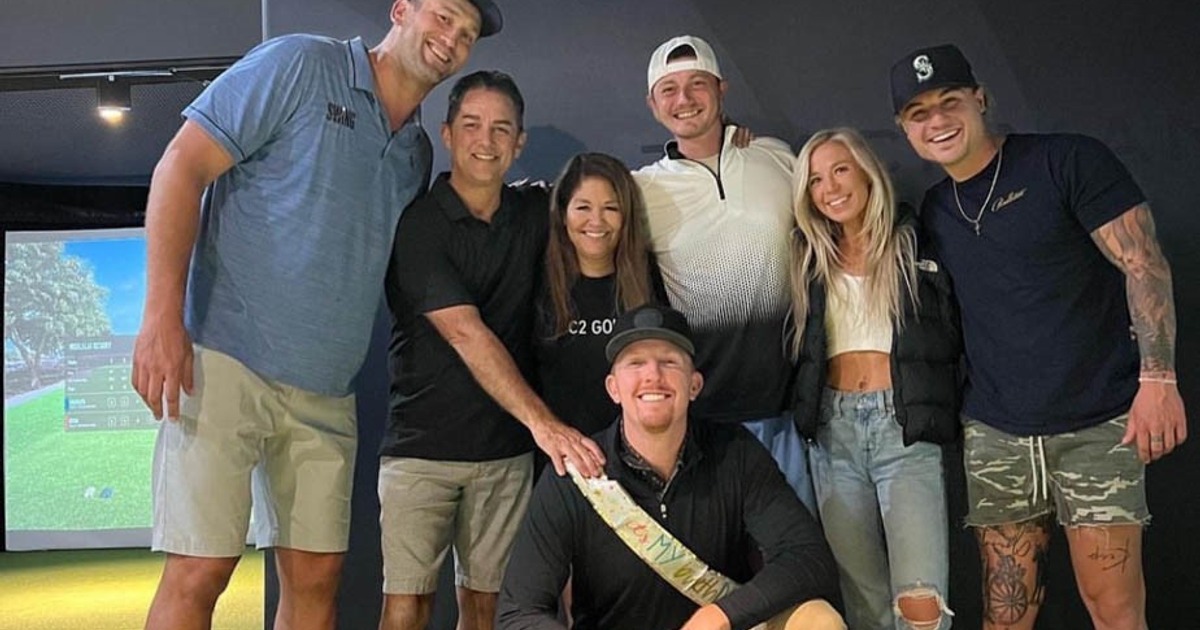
x=78, y=441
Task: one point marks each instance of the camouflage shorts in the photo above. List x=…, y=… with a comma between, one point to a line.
x=1085, y=477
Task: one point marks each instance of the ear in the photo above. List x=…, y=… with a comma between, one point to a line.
x=400, y=9
x=980, y=98
x=697, y=384
x=520, y=144
x=721, y=87
x=610, y=385
x=446, y=135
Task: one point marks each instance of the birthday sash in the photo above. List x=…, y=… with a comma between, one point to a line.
x=651, y=542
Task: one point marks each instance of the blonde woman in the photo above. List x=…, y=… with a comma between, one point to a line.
x=877, y=346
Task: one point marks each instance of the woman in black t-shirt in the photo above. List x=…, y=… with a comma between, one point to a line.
x=598, y=265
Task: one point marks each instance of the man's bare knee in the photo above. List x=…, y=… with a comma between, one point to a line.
x=188, y=591
x=921, y=608
x=406, y=612
x=201, y=580
x=308, y=574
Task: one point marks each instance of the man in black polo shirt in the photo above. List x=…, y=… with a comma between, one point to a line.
x=456, y=460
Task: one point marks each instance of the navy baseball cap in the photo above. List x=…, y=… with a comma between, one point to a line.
x=650, y=322
x=490, y=19
x=928, y=69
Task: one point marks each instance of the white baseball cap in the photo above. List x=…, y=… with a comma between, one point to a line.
x=705, y=59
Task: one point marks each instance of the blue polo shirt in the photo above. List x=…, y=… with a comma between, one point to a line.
x=294, y=240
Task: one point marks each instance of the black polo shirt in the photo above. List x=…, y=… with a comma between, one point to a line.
x=443, y=257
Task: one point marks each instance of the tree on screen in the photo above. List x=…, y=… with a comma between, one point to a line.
x=49, y=297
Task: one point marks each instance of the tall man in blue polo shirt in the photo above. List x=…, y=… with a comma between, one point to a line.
x=309, y=149
x=1052, y=250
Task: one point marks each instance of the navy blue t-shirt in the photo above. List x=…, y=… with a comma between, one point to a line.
x=1044, y=314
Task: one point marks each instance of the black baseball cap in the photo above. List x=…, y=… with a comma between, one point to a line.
x=490, y=19
x=650, y=322
x=927, y=69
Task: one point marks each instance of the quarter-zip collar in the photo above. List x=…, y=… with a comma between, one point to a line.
x=671, y=149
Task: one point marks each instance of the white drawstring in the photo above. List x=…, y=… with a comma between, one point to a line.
x=1034, y=460
x=1045, y=471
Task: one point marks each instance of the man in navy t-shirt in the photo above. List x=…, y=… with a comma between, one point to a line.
x=1051, y=247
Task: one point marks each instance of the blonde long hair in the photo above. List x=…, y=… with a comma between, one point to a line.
x=816, y=242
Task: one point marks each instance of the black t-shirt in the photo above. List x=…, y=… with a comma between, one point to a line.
x=445, y=257
x=1044, y=314
x=572, y=367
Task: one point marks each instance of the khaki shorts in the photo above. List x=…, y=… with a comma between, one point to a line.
x=1085, y=477
x=242, y=440
x=427, y=505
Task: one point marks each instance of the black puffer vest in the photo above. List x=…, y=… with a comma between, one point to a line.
x=925, y=359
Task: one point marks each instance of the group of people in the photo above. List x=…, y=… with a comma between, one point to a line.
x=729, y=283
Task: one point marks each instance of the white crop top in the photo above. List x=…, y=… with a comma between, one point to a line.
x=848, y=328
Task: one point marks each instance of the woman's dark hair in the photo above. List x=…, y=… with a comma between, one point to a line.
x=631, y=257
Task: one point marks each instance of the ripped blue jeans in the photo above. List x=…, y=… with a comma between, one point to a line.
x=883, y=506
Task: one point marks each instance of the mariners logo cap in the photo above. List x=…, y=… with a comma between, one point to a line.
x=927, y=69
x=650, y=322
x=704, y=59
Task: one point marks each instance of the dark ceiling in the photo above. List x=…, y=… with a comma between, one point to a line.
x=792, y=67
x=56, y=136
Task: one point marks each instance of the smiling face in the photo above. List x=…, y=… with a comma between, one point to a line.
x=483, y=139
x=435, y=36
x=654, y=381
x=688, y=103
x=838, y=185
x=593, y=219
x=947, y=127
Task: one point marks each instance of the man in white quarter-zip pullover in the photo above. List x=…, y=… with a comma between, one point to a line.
x=720, y=222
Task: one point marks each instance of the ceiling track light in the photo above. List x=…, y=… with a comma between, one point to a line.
x=112, y=98
x=113, y=93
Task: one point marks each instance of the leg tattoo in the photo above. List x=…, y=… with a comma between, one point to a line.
x=1010, y=554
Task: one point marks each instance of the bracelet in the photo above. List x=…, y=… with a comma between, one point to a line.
x=1156, y=379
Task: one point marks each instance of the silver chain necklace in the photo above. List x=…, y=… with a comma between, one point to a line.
x=991, y=189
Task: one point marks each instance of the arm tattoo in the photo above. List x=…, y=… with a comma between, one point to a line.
x=1129, y=242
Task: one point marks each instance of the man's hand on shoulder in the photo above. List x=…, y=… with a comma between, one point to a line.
x=563, y=444
x=742, y=137
x=709, y=617
x=162, y=364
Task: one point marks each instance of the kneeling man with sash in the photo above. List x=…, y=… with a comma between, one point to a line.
x=666, y=541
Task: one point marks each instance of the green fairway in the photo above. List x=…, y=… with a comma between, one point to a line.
x=79, y=480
